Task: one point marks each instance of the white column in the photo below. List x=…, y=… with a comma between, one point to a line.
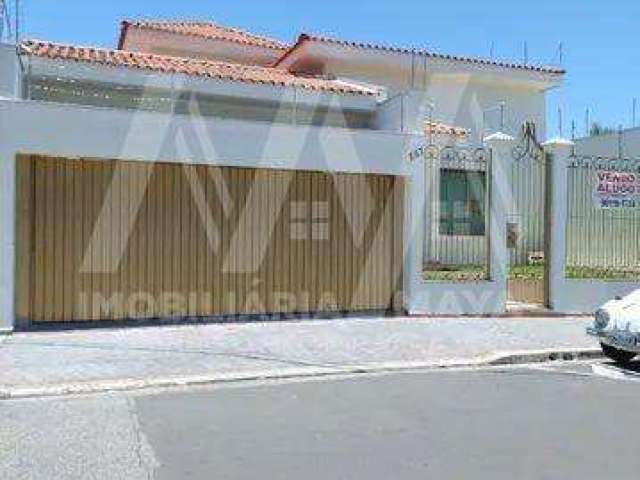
x=7, y=240
x=10, y=86
x=10, y=78
x=501, y=146
x=417, y=109
x=415, y=197
x=558, y=151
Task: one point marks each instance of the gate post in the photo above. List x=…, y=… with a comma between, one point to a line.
x=415, y=197
x=501, y=146
x=558, y=151
x=7, y=239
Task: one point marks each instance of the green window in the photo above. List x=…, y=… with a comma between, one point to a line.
x=462, y=202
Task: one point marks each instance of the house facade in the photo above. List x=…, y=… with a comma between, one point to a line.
x=199, y=171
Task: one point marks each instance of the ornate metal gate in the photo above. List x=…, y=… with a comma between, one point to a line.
x=527, y=214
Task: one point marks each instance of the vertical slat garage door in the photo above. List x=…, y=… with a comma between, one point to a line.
x=110, y=240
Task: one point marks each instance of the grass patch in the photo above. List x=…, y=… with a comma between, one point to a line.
x=466, y=273
x=527, y=272
x=603, y=273
x=455, y=273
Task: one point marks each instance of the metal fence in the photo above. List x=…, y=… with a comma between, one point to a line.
x=457, y=180
x=603, y=224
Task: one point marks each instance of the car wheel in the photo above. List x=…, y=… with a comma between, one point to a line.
x=617, y=355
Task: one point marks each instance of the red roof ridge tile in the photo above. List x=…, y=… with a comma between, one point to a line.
x=189, y=66
x=207, y=29
x=439, y=128
x=421, y=52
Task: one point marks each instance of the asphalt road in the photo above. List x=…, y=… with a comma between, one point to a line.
x=565, y=421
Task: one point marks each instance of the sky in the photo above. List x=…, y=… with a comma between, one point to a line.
x=599, y=39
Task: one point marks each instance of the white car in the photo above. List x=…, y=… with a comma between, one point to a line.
x=617, y=326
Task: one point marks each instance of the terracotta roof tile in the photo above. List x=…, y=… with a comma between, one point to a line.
x=437, y=128
x=189, y=66
x=372, y=46
x=209, y=30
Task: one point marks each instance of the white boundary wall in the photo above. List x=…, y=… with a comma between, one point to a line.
x=571, y=295
x=460, y=298
x=76, y=131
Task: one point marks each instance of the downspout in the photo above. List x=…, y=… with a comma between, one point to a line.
x=174, y=100
x=27, y=80
x=424, y=77
x=413, y=69
x=23, y=76
x=402, y=97
x=294, y=112
x=620, y=143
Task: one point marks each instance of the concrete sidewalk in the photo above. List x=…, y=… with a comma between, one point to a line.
x=79, y=361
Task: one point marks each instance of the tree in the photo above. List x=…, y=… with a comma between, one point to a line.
x=597, y=129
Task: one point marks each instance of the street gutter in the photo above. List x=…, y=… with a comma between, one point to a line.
x=119, y=385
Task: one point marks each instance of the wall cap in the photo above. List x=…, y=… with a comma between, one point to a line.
x=499, y=137
x=558, y=142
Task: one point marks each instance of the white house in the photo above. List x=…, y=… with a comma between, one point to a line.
x=293, y=157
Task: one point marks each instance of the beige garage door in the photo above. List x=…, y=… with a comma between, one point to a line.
x=111, y=240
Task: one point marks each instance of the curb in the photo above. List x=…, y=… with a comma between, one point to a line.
x=104, y=386
x=546, y=355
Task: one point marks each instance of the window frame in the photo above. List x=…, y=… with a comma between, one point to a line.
x=475, y=220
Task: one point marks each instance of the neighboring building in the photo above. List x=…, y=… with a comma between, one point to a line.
x=624, y=143
x=265, y=108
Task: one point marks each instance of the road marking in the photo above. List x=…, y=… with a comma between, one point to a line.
x=561, y=369
x=615, y=373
